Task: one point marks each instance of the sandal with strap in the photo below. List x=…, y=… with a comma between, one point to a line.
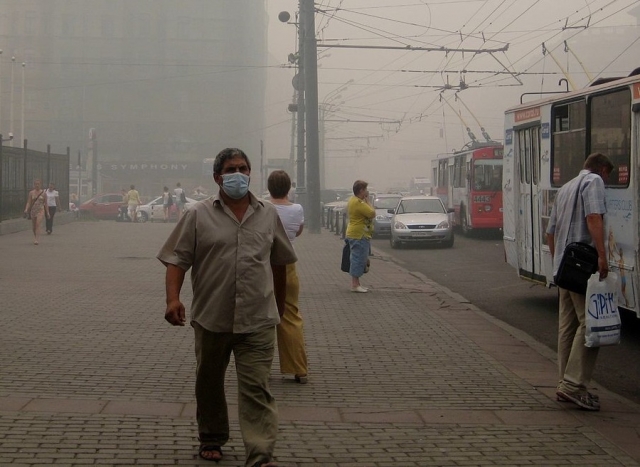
x=209, y=448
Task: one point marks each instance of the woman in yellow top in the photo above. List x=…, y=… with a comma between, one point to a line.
x=359, y=231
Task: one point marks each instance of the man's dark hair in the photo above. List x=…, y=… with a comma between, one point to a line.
x=278, y=184
x=359, y=185
x=225, y=155
x=133, y=187
x=598, y=161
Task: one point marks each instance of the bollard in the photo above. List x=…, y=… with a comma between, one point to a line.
x=344, y=224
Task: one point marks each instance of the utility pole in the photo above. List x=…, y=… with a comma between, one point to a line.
x=300, y=85
x=310, y=60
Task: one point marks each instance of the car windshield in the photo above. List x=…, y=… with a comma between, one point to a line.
x=386, y=202
x=414, y=206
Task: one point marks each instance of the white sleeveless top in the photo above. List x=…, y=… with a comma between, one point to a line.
x=292, y=217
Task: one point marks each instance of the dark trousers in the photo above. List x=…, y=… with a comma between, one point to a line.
x=52, y=212
x=257, y=409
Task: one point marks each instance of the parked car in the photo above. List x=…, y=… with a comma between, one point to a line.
x=154, y=210
x=421, y=219
x=103, y=206
x=382, y=222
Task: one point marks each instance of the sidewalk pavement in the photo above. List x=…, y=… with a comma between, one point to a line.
x=407, y=375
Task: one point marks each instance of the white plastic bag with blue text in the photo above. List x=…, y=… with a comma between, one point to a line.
x=602, y=317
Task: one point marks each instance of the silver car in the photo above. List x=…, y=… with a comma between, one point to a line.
x=382, y=222
x=421, y=219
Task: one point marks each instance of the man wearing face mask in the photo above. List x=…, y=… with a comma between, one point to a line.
x=237, y=250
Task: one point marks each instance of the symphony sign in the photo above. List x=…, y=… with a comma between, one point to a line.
x=150, y=168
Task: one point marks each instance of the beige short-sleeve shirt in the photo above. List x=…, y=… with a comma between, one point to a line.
x=230, y=263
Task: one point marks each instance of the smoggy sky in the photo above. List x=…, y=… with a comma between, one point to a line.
x=387, y=112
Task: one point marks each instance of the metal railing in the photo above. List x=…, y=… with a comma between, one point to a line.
x=19, y=167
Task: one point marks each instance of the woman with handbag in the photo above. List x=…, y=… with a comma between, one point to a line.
x=36, y=209
x=359, y=232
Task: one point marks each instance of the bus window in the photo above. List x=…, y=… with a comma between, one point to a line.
x=611, y=132
x=569, y=141
x=524, y=156
x=487, y=174
x=535, y=154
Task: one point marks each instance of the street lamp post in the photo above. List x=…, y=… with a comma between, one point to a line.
x=0, y=88
x=13, y=62
x=22, y=134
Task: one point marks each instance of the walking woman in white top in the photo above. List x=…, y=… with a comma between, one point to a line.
x=291, y=348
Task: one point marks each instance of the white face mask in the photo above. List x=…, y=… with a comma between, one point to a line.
x=235, y=185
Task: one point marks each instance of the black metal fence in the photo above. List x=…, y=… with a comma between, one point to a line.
x=19, y=167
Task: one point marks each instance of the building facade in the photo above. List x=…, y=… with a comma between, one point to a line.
x=151, y=88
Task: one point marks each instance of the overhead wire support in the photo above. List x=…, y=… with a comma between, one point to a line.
x=586, y=72
x=564, y=72
x=482, y=129
x=469, y=132
x=412, y=48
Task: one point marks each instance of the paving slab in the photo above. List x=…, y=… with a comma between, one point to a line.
x=407, y=375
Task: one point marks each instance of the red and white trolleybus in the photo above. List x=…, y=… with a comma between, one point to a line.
x=470, y=181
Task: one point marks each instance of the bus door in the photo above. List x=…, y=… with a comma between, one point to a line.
x=528, y=232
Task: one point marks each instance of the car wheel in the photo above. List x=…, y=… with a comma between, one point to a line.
x=449, y=243
x=143, y=217
x=393, y=243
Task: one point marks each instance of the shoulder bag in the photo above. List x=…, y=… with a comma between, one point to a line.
x=579, y=261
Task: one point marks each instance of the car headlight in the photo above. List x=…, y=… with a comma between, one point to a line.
x=380, y=217
x=443, y=225
x=399, y=225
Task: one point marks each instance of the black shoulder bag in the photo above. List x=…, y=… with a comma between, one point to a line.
x=579, y=261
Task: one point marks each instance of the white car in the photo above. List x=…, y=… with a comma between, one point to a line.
x=421, y=219
x=154, y=210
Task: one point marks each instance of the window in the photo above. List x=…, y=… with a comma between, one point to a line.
x=108, y=26
x=30, y=23
x=611, y=132
x=68, y=26
x=443, y=179
x=459, y=171
x=487, y=175
x=528, y=153
x=569, y=141
x=184, y=27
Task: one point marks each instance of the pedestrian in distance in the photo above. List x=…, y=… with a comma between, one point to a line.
x=133, y=201
x=576, y=362
x=237, y=250
x=167, y=202
x=53, y=202
x=36, y=209
x=180, y=199
x=359, y=233
x=291, y=349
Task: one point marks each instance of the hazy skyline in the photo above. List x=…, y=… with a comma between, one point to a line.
x=400, y=91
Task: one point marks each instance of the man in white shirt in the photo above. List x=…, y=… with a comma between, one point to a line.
x=179, y=199
x=53, y=201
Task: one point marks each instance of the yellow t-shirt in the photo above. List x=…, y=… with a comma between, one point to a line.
x=133, y=197
x=361, y=217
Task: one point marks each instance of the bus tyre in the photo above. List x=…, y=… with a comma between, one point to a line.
x=464, y=225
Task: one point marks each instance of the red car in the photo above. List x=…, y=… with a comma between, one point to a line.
x=104, y=206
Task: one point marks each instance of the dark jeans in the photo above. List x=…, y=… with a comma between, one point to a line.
x=52, y=212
